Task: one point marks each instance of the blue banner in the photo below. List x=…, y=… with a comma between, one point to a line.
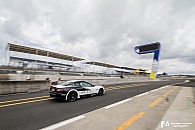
x=150, y=48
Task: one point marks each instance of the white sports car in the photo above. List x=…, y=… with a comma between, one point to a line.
x=71, y=90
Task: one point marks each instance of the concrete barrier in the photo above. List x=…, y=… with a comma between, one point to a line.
x=192, y=80
x=7, y=87
x=4, y=77
x=53, y=78
x=16, y=83
x=113, y=80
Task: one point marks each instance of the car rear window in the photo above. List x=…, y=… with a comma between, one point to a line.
x=66, y=83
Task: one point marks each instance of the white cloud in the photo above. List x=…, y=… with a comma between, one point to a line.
x=105, y=31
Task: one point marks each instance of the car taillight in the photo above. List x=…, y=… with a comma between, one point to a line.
x=59, y=89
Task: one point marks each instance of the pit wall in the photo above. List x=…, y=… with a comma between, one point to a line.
x=16, y=83
x=53, y=78
x=96, y=80
x=8, y=87
x=114, y=80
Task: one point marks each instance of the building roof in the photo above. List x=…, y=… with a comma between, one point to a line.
x=41, y=52
x=127, y=68
x=40, y=61
x=101, y=64
x=108, y=65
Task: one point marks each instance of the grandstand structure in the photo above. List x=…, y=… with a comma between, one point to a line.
x=118, y=69
x=32, y=65
x=25, y=62
x=108, y=65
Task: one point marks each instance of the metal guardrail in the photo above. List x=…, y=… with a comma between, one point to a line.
x=28, y=69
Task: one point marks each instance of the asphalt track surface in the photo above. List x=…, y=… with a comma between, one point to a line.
x=40, y=112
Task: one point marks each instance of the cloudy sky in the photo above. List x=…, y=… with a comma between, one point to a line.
x=105, y=30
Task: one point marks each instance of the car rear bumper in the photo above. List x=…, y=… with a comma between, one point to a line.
x=57, y=95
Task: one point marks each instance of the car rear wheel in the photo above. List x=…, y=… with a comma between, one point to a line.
x=101, y=92
x=72, y=96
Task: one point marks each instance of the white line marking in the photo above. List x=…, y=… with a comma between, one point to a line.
x=118, y=103
x=166, y=86
x=163, y=87
x=57, y=125
x=154, y=90
x=141, y=94
x=177, y=83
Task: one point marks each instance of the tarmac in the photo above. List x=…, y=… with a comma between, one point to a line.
x=181, y=113
x=165, y=108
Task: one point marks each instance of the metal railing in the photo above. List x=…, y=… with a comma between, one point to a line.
x=32, y=68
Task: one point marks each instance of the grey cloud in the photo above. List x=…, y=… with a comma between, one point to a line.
x=106, y=31
x=12, y=28
x=23, y=10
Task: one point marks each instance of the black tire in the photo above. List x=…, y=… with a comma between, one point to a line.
x=72, y=96
x=101, y=92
